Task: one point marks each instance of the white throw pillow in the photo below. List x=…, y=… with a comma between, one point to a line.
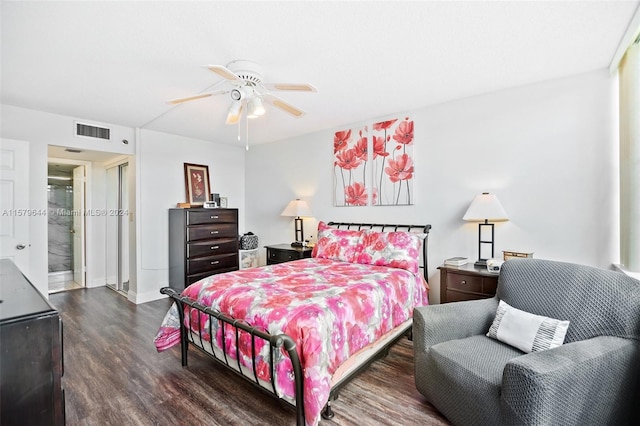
x=525, y=331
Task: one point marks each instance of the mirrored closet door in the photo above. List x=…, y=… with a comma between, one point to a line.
x=117, y=228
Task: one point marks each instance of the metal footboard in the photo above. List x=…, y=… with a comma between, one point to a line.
x=194, y=337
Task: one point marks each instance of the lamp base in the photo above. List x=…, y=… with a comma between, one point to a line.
x=297, y=244
x=482, y=263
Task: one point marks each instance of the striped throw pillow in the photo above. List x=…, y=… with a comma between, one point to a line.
x=525, y=331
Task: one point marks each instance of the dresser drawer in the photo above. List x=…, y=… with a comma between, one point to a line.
x=211, y=264
x=190, y=279
x=205, y=232
x=212, y=247
x=211, y=216
x=464, y=283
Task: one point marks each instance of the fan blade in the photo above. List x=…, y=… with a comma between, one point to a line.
x=225, y=72
x=188, y=98
x=194, y=97
x=302, y=87
x=279, y=103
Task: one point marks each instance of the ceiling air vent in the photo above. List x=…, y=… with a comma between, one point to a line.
x=90, y=131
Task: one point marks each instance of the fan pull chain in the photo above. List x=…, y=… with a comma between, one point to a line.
x=246, y=121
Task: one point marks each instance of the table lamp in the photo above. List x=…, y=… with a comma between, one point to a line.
x=484, y=208
x=297, y=208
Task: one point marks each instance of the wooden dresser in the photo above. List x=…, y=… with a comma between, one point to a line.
x=467, y=282
x=202, y=242
x=31, y=364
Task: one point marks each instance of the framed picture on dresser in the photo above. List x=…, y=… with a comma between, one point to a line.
x=196, y=180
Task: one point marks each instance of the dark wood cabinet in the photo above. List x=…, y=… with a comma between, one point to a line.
x=467, y=282
x=31, y=363
x=202, y=242
x=279, y=253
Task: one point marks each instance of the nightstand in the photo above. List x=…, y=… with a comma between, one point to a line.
x=280, y=253
x=466, y=282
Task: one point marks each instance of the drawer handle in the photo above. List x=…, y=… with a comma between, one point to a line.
x=215, y=247
x=215, y=217
x=215, y=262
x=215, y=232
x=463, y=282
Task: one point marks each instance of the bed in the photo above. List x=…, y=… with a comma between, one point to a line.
x=301, y=330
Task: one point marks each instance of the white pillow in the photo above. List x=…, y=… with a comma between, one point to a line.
x=525, y=331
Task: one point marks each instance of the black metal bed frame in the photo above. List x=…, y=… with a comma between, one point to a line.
x=277, y=342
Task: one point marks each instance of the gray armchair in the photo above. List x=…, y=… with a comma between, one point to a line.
x=592, y=379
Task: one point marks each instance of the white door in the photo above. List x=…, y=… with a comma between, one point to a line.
x=78, y=225
x=14, y=202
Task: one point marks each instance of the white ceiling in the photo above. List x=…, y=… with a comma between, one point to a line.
x=119, y=62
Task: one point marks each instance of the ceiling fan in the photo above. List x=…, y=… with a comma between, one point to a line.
x=248, y=91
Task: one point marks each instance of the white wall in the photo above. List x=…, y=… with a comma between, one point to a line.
x=158, y=184
x=160, y=168
x=548, y=151
x=40, y=129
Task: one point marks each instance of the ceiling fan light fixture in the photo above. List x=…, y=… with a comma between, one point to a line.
x=237, y=94
x=248, y=91
x=235, y=110
x=255, y=107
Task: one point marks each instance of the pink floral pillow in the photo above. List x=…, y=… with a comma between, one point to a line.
x=336, y=244
x=394, y=249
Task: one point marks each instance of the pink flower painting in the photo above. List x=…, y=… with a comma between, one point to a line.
x=376, y=169
x=350, y=158
x=392, y=162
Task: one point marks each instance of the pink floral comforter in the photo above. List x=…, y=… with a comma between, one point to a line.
x=331, y=310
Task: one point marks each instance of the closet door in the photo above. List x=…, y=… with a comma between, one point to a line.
x=117, y=228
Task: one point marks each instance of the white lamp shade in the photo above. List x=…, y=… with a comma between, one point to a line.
x=485, y=207
x=255, y=107
x=235, y=110
x=297, y=208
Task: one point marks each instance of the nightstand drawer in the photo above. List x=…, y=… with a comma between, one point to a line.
x=465, y=283
x=212, y=247
x=202, y=232
x=282, y=255
x=211, y=216
x=456, y=296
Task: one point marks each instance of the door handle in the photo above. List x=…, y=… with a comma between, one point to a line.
x=20, y=246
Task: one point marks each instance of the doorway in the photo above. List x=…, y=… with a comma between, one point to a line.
x=66, y=225
x=101, y=249
x=117, y=237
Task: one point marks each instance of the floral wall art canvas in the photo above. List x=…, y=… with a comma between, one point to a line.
x=392, y=162
x=350, y=159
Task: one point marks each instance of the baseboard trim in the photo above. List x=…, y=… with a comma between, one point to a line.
x=148, y=296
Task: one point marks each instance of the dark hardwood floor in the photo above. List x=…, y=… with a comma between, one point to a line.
x=114, y=376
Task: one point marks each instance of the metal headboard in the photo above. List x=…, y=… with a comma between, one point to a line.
x=419, y=229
